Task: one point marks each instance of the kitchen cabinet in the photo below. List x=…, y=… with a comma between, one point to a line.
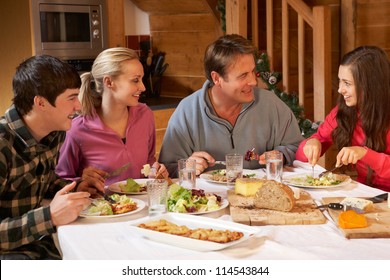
x=116, y=23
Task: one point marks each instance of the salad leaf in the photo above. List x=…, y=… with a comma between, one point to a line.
x=182, y=200
x=131, y=186
x=121, y=199
x=100, y=206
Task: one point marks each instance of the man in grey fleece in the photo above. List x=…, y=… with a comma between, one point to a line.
x=229, y=114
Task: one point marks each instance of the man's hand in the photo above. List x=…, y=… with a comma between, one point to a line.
x=66, y=207
x=203, y=160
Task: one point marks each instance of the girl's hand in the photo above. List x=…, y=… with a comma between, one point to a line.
x=312, y=150
x=348, y=155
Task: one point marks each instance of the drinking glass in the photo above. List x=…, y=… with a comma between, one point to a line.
x=157, y=196
x=234, y=167
x=274, y=164
x=187, y=173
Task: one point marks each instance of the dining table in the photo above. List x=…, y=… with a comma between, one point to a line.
x=113, y=238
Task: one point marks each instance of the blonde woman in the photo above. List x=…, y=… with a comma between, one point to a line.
x=113, y=128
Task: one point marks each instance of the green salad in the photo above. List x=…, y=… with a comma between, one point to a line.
x=131, y=186
x=102, y=207
x=182, y=200
x=326, y=180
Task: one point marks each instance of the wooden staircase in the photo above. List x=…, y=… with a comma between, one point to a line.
x=315, y=94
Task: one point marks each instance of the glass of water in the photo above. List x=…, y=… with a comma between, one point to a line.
x=274, y=164
x=187, y=173
x=157, y=196
x=234, y=168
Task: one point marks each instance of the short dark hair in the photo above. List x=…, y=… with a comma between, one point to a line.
x=221, y=53
x=45, y=76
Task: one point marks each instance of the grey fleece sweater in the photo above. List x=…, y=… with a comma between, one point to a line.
x=264, y=124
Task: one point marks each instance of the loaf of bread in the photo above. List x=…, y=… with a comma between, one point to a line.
x=248, y=186
x=275, y=196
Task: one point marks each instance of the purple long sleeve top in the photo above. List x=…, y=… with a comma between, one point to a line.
x=90, y=142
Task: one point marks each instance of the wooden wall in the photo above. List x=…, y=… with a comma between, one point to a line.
x=15, y=44
x=182, y=29
x=365, y=22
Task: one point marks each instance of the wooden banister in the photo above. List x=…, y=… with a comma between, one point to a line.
x=236, y=17
x=302, y=9
x=318, y=19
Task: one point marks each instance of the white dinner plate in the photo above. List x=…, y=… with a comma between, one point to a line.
x=209, y=177
x=193, y=222
x=140, y=205
x=294, y=180
x=115, y=187
x=224, y=204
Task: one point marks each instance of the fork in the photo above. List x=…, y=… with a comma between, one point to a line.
x=106, y=197
x=329, y=171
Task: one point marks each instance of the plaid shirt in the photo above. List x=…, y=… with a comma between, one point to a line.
x=26, y=177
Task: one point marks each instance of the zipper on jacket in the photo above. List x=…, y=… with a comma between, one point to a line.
x=230, y=131
x=231, y=138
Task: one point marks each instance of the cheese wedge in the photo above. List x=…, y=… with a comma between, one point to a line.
x=248, y=186
x=359, y=203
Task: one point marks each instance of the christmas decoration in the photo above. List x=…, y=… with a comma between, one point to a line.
x=271, y=79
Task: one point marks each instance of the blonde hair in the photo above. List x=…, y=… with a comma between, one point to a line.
x=107, y=63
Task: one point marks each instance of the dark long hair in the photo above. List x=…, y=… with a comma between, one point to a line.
x=370, y=69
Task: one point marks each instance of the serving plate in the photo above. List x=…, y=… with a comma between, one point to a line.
x=140, y=205
x=115, y=187
x=192, y=222
x=208, y=176
x=299, y=181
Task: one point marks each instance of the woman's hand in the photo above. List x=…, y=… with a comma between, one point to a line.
x=348, y=155
x=92, y=180
x=160, y=170
x=312, y=150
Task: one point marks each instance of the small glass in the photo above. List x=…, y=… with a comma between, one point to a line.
x=234, y=168
x=274, y=164
x=157, y=196
x=187, y=173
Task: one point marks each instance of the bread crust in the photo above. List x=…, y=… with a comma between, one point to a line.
x=275, y=196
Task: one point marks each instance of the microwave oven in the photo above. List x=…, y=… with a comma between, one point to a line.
x=69, y=29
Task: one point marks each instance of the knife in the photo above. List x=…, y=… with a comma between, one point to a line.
x=118, y=170
x=217, y=162
x=338, y=206
x=378, y=198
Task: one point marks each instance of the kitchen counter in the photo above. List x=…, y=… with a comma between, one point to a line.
x=159, y=103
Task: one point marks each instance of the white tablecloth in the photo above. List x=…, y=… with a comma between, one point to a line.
x=112, y=238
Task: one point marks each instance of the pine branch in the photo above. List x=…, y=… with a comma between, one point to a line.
x=271, y=79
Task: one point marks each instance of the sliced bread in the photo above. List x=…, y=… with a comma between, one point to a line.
x=275, y=196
